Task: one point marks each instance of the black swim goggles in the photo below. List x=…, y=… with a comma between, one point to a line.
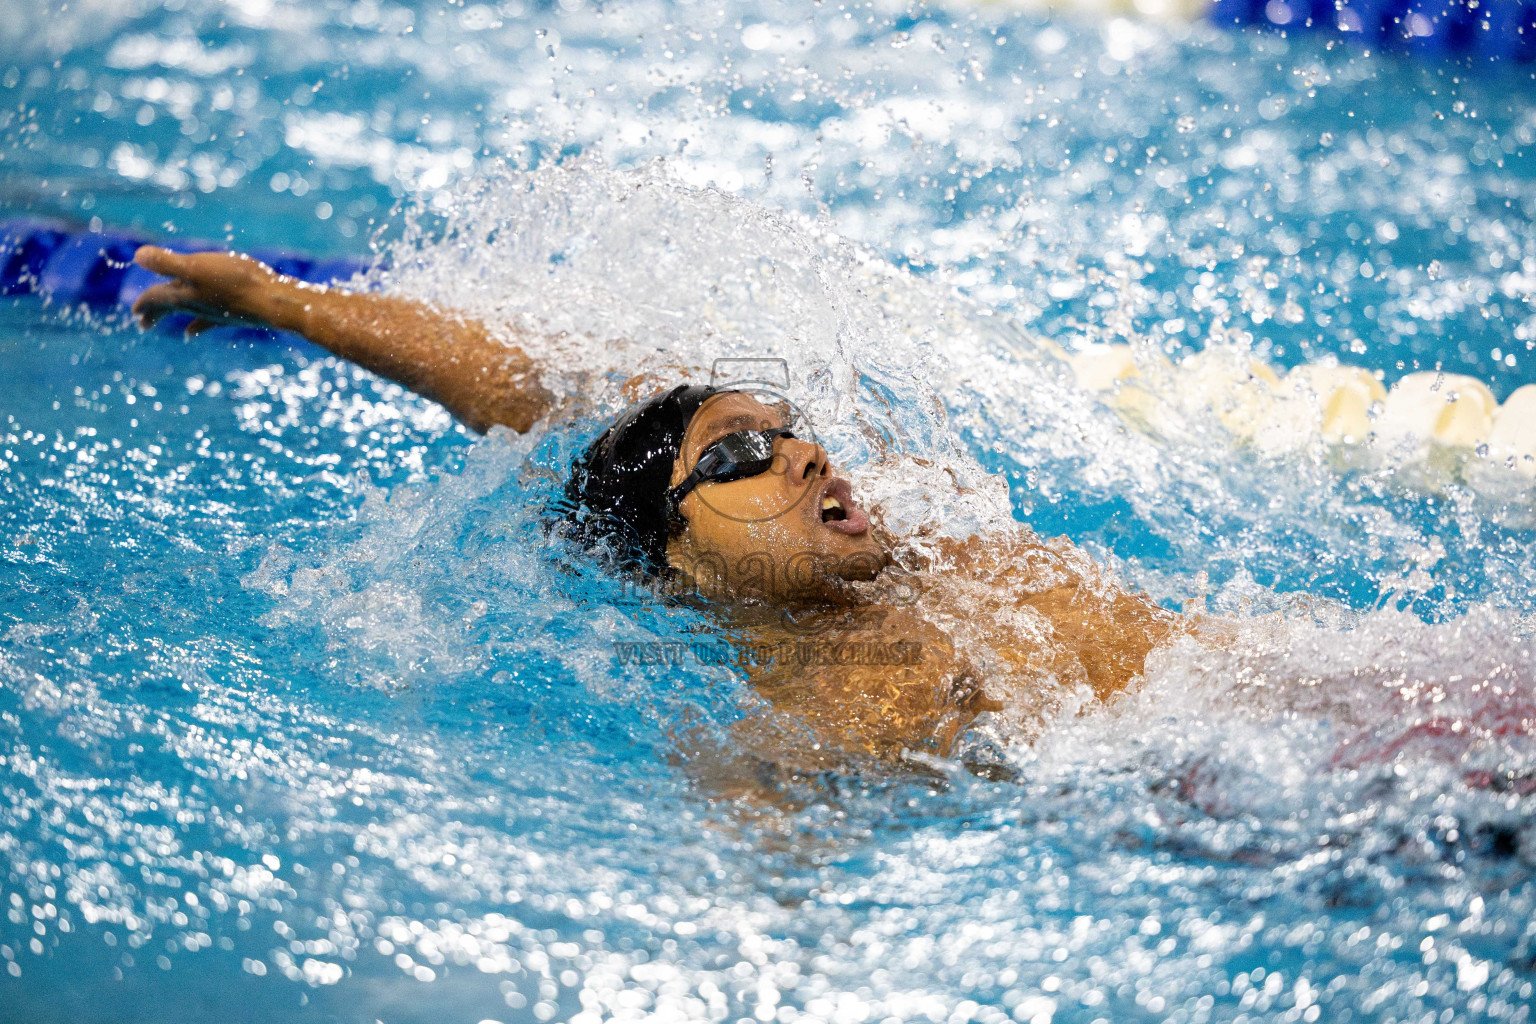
x=733, y=457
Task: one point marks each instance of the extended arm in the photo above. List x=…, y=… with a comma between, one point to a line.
x=440, y=354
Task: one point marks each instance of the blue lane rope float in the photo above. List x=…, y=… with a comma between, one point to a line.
x=25, y=246
x=88, y=268
x=1486, y=29
x=96, y=269
x=1344, y=407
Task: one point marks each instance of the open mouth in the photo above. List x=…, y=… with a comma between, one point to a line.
x=838, y=510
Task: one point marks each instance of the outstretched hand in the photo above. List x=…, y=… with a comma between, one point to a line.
x=447, y=357
x=214, y=287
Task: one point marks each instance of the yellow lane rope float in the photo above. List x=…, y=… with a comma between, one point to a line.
x=1423, y=417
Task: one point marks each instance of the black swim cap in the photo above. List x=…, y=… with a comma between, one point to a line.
x=618, y=487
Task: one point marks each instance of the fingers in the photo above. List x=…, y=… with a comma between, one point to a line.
x=205, y=267
x=213, y=287
x=161, y=261
x=166, y=297
x=161, y=300
x=158, y=300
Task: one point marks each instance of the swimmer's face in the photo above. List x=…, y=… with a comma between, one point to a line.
x=792, y=532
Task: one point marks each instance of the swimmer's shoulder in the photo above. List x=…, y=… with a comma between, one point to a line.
x=1015, y=556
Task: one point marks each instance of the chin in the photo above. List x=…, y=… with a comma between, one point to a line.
x=859, y=563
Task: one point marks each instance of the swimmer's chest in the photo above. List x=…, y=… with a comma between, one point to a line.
x=881, y=679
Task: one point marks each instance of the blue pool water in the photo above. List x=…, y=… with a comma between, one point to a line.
x=302, y=718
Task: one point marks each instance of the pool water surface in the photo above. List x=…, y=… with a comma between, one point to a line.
x=304, y=717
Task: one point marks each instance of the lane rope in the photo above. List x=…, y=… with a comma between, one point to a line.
x=1431, y=418
x=1445, y=427
x=95, y=269
x=1486, y=29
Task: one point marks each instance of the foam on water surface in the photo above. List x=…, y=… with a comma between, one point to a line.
x=301, y=717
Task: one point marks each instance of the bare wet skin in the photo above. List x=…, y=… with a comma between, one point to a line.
x=869, y=665
x=1000, y=624
x=1010, y=626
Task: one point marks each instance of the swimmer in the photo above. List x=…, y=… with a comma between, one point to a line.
x=869, y=653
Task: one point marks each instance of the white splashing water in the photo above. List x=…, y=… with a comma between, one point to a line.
x=602, y=274
x=1275, y=825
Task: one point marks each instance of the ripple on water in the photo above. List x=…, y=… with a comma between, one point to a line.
x=295, y=706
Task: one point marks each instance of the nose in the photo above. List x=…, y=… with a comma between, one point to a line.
x=801, y=460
